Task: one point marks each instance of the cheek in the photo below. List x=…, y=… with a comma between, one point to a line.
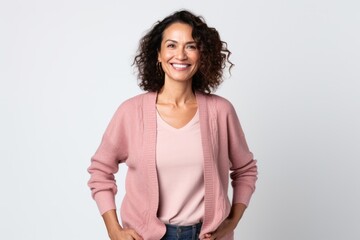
x=196, y=59
x=165, y=55
x=195, y=56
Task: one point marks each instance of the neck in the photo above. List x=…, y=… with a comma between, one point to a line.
x=177, y=94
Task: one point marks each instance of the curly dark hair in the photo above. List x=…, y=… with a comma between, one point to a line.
x=214, y=54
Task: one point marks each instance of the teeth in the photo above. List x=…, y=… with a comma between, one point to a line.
x=180, y=65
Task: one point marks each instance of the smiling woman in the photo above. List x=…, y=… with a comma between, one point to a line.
x=178, y=54
x=188, y=143
x=214, y=55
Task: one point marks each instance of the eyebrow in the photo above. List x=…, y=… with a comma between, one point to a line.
x=170, y=40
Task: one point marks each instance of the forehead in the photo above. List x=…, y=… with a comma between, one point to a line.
x=178, y=32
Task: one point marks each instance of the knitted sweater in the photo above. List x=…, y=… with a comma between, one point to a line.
x=131, y=138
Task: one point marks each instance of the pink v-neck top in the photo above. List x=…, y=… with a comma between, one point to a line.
x=180, y=169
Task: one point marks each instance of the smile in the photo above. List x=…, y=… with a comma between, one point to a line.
x=180, y=66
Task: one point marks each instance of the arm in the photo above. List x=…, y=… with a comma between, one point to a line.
x=104, y=164
x=236, y=213
x=243, y=165
x=112, y=151
x=243, y=173
x=115, y=231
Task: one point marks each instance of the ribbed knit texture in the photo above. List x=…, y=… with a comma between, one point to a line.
x=131, y=138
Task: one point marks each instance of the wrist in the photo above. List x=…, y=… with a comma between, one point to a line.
x=233, y=222
x=114, y=230
x=236, y=213
x=115, y=227
x=111, y=222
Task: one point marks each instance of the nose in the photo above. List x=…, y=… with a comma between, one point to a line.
x=181, y=54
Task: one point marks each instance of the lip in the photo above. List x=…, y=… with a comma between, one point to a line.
x=180, y=66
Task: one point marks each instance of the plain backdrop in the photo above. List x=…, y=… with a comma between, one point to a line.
x=65, y=66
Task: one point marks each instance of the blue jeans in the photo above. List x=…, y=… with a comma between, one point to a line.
x=174, y=232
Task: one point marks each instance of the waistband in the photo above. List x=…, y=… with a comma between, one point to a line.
x=184, y=228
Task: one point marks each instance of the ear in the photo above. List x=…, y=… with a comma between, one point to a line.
x=159, y=59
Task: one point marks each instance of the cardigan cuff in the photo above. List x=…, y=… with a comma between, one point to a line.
x=105, y=201
x=242, y=194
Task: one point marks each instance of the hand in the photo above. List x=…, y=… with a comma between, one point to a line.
x=115, y=231
x=227, y=226
x=124, y=234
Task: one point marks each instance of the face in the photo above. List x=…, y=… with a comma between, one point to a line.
x=179, y=55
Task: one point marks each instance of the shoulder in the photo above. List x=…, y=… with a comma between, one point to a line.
x=132, y=108
x=220, y=103
x=137, y=101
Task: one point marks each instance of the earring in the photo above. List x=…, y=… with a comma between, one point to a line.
x=159, y=68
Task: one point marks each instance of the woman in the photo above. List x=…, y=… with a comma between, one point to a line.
x=179, y=142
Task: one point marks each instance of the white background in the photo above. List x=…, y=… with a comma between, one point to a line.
x=65, y=66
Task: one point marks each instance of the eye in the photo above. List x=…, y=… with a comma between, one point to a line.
x=170, y=45
x=192, y=47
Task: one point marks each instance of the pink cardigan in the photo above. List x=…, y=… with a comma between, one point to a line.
x=131, y=138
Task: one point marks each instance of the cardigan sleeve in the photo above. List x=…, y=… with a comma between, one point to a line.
x=243, y=166
x=105, y=161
